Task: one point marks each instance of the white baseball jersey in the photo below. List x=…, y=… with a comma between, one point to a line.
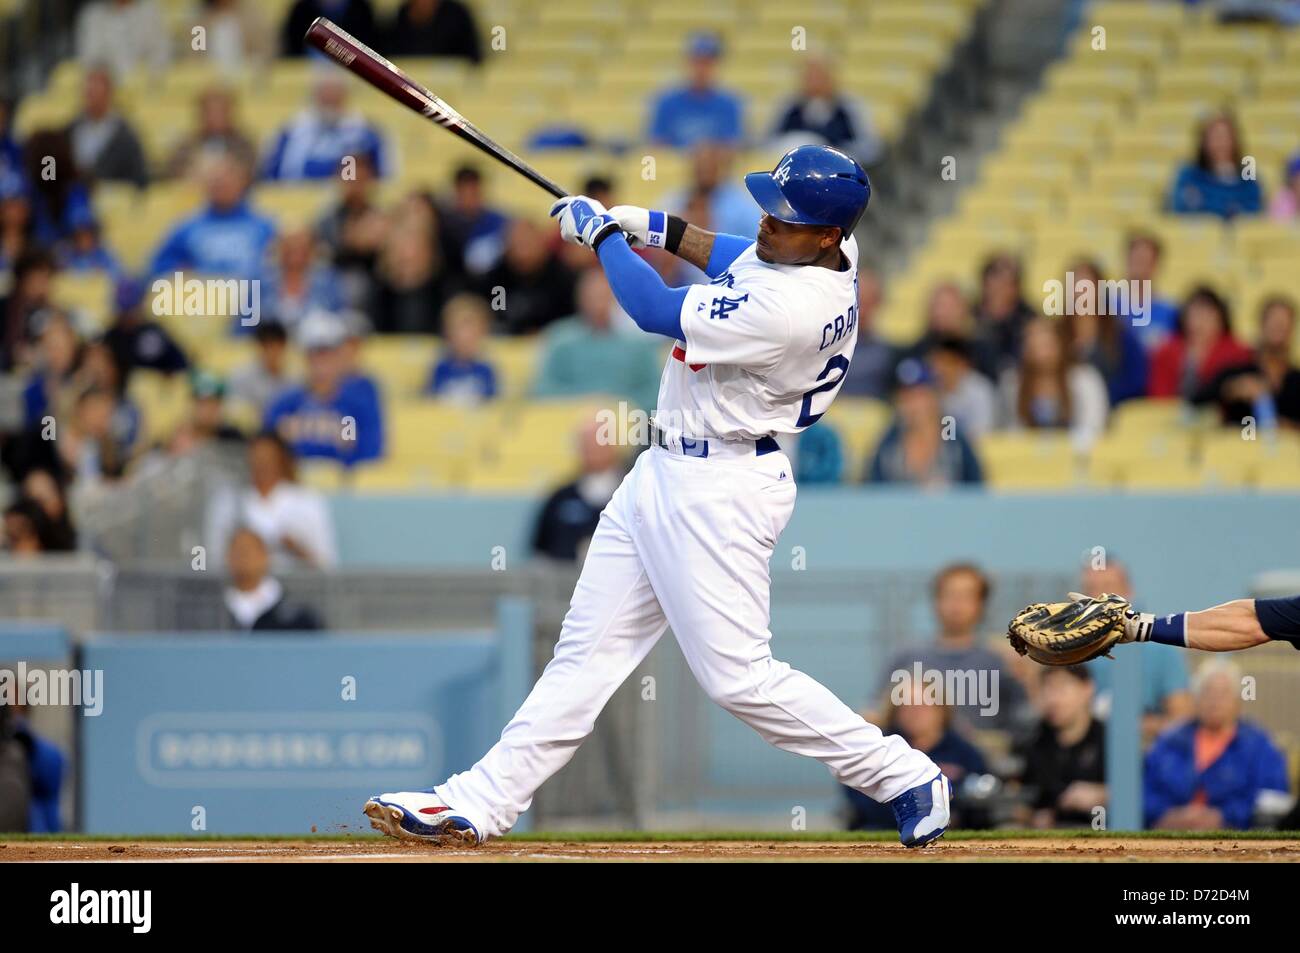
x=767, y=347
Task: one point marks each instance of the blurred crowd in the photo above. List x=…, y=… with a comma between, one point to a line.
x=1025, y=745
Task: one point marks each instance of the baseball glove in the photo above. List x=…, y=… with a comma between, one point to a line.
x=1068, y=633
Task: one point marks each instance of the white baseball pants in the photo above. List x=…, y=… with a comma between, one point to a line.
x=684, y=542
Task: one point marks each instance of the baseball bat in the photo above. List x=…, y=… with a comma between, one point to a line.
x=353, y=55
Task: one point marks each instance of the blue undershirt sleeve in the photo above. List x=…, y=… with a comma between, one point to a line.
x=640, y=291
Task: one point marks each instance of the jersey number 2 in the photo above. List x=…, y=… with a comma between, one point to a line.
x=806, y=417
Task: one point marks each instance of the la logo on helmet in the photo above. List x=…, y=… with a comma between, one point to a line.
x=782, y=173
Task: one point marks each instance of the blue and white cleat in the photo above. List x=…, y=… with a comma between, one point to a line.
x=420, y=815
x=922, y=812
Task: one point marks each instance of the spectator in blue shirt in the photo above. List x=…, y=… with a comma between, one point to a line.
x=1151, y=316
x=461, y=374
x=1214, y=183
x=475, y=231
x=227, y=238
x=1208, y=773
x=85, y=250
x=1100, y=334
x=315, y=142
x=15, y=218
x=914, y=449
x=333, y=415
x=698, y=111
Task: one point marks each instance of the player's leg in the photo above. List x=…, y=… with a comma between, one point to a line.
x=710, y=530
x=613, y=621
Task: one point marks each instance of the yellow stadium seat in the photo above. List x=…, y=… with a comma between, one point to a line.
x=1229, y=458
x=1150, y=414
x=89, y=294
x=1026, y=460
x=1158, y=476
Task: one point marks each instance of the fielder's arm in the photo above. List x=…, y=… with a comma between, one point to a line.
x=1240, y=624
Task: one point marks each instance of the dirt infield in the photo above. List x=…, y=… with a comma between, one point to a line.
x=555, y=849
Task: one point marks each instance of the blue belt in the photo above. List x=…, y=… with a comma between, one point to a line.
x=699, y=446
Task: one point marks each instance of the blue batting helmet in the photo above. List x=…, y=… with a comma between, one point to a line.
x=813, y=185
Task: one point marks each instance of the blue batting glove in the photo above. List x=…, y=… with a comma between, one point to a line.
x=583, y=220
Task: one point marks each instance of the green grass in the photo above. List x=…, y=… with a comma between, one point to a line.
x=687, y=837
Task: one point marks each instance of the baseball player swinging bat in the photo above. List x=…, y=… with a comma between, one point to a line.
x=686, y=540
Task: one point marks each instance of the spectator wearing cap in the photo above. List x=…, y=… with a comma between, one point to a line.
x=315, y=142
x=327, y=417
x=228, y=238
x=1285, y=206
x=917, y=448
x=255, y=600
x=475, y=230
x=357, y=17
x=443, y=28
x=1065, y=760
x=1209, y=772
x=208, y=419
x=85, y=251
x=586, y=354
x=1151, y=316
x=461, y=374
x=966, y=395
x=254, y=384
x=822, y=111
x=138, y=341
x=105, y=147
x=124, y=34
x=698, y=111
x=293, y=521
x=1051, y=390
x=1214, y=183
x=216, y=133
x=1203, y=346
x=871, y=370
